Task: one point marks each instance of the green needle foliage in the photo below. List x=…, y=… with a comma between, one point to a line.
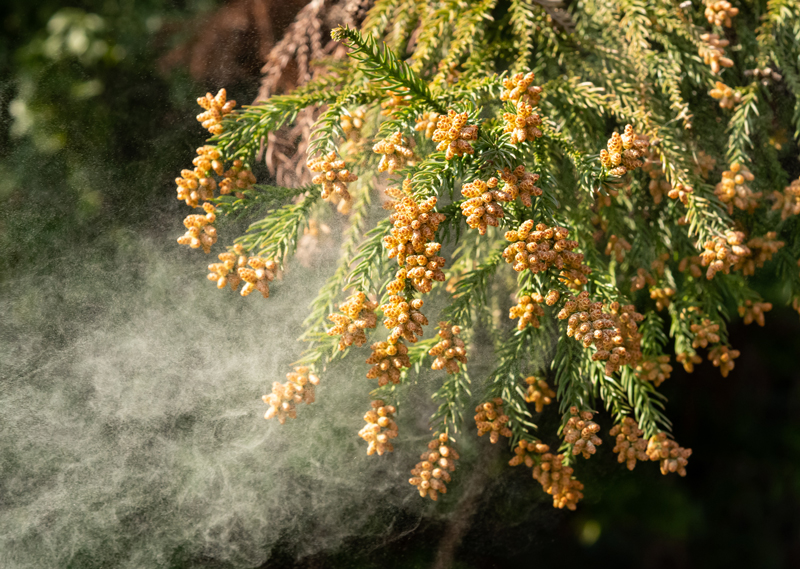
x=620, y=169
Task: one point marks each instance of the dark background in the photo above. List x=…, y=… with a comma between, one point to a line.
x=90, y=139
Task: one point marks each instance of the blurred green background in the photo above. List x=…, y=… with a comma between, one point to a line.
x=131, y=433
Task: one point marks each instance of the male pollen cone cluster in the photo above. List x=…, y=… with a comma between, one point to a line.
x=581, y=432
x=380, y=428
x=450, y=350
x=216, y=107
x=355, y=315
x=284, y=397
x=528, y=309
x=630, y=446
x=333, y=176
x=432, y=474
x=491, y=419
x=720, y=254
x=538, y=393
x=235, y=267
x=454, y=135
x=200, y=231
x=625, y=152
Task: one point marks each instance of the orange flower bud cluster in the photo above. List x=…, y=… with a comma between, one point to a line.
x=545, y=247
x=380, y=428
x=199, y=184
x=630, y=445
x=238, y=178
x=216, y=108
x=722, y=357
x=762, y=249
x=355, y=315
x=387, y=361
x=720, y=12
x=223, y=273
x=432, y=474
x=518, y=88
x=552, y=297
x=426, y=123
x=525, y=451
x=353, y=123
x=681, y=192
x=721, y=254
x=538, y=393
x=641, y=279
x=658, y=186
x=615, y=335
x=671, y=455
x=581, y=432
x=395, y=152
x=524, y=125
x=411, y=239
x=754, y=311
x=624, y=152
x=693, y=264
x=733, y=190
x=482, y=208
x=453, y=135
x=662, y=297
x=705, y=333
x=200, y=231
x=490, y=419
x=727, y=96
x=617, y=247
x=788, y=202
x=527, y=310
x=704, y=164
x=654, y=368
x=688, y=360
x=285, y=396
x=449, y=350
x=258, y=277
x=333, y=177
x=520, y=183
x=403, y=318
x=556, y=479
x=714, y=53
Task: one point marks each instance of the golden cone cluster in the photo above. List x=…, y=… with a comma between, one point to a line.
x=721, y=254
x=236, y=267
x=411, y=239
x=556, y=479
x=387, y=361
x=355, y=315
x=333, y=176
x=454, y=135
x=722, y=357
x=641, y=279
x=680, y=192
x=237, y=179
x=396, y=100
x=520, y=183
x=581, y=432
x=754, y=311
x=432, y=474
x=688, y=360
x=714, y=53
x=659, y=186
x=692, y=264
x=615, y=334
x=624, y=152
x=671, y=455
x=352, y=123
x=538, y=393
x=630, y=447
x=258, y=276
x=403, y=318
x=707, y=332
x=720, y=12
x=490, y=419
x=426, y=123
x=380, y=428
x=197, y=185
x=200, y=231
x=216, y=107
x=733, y=189
x=522, y=125
x=449, y=350
x=655, y=369
x=394, y=151
x=482, y=208
x=285, y=396
x=545, y=247
x=788, y=201
x=662, y=297
x=727, y=96
x=762, y=250
x=525, y=451
x=518, y=88
x=617, y=247
x=528, y=310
